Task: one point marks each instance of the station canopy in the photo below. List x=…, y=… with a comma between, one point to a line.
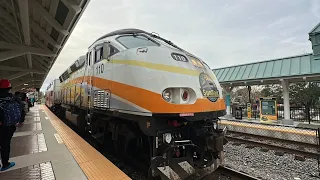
x=294, y=69
x=32, y=34
x=305, y=67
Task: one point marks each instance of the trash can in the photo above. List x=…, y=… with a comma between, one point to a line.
x=238, y=112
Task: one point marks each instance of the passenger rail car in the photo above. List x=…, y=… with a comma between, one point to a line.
x=148, y=98
x=53, y=93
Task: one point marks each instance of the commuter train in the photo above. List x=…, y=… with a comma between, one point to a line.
x=149, y=99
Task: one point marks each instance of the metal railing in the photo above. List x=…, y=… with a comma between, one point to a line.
x=300, y=114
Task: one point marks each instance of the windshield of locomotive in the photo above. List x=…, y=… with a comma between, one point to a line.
x=134, y=41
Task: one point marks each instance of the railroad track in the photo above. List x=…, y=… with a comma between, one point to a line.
x=131, y=166
x=137, y=170
x=226, y=173
x=293, y=147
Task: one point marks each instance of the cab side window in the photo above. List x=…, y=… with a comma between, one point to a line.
x=89, y=58
x=92, y=56
x=99, y=54
x=112, y=52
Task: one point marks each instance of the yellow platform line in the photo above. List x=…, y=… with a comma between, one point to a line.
x=270, y=128
x=93, y=163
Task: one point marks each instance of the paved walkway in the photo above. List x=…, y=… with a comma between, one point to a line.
x=42, y=149
x=38, y=154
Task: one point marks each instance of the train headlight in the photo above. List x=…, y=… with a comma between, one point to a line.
x=167, y=137
x=185, y=95
x=167, y=95
x=214, y=125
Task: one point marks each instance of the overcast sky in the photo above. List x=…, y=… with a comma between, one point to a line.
x=222, y=33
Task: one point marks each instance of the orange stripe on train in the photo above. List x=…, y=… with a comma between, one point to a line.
x=153, y=101
x=150, y=100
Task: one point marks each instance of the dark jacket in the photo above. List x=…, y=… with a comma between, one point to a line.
x=5, y=94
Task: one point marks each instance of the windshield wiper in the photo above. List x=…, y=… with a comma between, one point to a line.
x=167, y=41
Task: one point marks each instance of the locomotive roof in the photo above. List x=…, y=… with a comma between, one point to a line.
x=120, y=32
x=77, y=64
x=133, y=31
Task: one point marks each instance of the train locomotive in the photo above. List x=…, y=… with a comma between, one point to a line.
x=148, y=98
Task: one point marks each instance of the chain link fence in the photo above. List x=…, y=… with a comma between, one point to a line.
x=284, y=132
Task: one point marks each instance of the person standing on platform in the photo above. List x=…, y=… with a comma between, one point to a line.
x=23, y=112
x=25, y=99
x=10, y=114
x=32, y=101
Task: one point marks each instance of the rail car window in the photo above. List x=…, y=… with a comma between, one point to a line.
x=136, y=41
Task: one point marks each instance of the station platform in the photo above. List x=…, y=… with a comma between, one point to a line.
x=300, y=132
x=45, y=148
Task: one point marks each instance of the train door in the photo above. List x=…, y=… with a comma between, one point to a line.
x=51, y=98
x=90, y=77
x=103, y=73
x=65, y=95
x=70, y=95
x=61, y=97
x=74, y=92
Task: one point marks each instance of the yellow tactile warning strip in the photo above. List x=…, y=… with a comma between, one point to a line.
x=92, y=162
x=58, y=138
x=270, y=128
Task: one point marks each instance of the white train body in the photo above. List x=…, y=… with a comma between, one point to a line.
x=148, y=71
x=133, y=76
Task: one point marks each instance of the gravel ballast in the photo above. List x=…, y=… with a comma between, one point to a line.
x=290, y=145
x=253, y=161
x=267, y=165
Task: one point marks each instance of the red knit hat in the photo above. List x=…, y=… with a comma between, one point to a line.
x=5, y=84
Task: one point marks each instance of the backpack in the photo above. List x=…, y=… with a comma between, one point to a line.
x=11, y=111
